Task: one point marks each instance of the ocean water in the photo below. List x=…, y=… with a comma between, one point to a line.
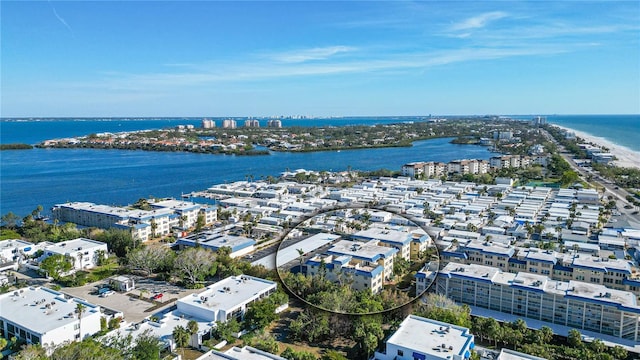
x=619, y=129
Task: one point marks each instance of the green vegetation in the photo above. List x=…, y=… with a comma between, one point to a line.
x=15, y=147
x=341, y=297
x=291, y=354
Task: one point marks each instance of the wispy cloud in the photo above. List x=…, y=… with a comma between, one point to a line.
x=318, y=53
x=479, y=21
x=55, y=12
x=257, y=69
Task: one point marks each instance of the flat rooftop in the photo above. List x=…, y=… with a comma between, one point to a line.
x=431, y=337
x=236, y=353
x=601, y=294
x=365, y=251
x=28, y=310
x=489, y=247
x=507, y=354
x=307, y=245
x=229, y=293
x=480, y=272
x=74, y=245
x=175, y=204
x=216, y=240
x=386, y=235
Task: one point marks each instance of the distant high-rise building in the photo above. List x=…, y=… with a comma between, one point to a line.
x=251, y=123
x=208, y=124
x=229, y=124
x=539, y=120
x=275, y=123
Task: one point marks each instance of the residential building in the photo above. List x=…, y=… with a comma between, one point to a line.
x=40, y=315
x=143, y=224
x=252, y=123
x=236, y=353
x=84, y=253
x=508, y=354
x=13, y=252
x=367, y=254
x=345, y=269
x=576, y=304
x=408, y=244
x=275, y=123
x=226, y=299
x=427, y=339
x=208, y=124
x=229, y=124
x=239, y=245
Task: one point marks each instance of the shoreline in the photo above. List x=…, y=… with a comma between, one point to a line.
x=625, y=157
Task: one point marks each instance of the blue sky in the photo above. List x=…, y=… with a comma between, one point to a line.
x=319, y=58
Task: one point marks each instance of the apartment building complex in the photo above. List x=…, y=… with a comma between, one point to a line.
x=40, y=315
x=365, y=265
x=143, y=224
x=570, y=303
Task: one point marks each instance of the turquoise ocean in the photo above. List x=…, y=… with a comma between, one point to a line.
x=116, y=177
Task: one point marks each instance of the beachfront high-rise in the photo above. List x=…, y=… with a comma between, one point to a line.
x=208, y=124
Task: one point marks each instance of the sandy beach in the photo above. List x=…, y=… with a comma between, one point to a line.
x=625, y=156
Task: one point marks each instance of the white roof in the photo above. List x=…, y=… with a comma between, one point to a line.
x=507, y=354
x=307, y=245
x=32, y=309
x=79, y=244
x=229, y=293
x=428, y=336
x=236, y=353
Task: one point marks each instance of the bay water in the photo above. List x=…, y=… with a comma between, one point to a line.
x=118, y=177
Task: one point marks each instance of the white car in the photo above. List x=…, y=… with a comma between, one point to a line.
x=107, y=293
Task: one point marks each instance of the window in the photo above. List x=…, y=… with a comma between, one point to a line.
x=400, y=352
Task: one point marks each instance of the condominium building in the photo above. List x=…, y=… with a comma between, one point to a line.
x=408, y=243
x=275, y=123
x=362, y=265
x=226, y=299
x=40, y=315
x=347, y=271
x=229, y=124
x=13, y=252
x=236, y=353
x=577, y=304
x=208, y=124
x=251, y=123
x=614, y=273
x=83, y=253
x=427, y=339
x=143, y=224
x=239, y=245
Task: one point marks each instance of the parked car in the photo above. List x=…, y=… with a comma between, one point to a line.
x=157, y=297
x=107, y=293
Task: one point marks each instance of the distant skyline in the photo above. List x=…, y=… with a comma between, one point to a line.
x=318, y=58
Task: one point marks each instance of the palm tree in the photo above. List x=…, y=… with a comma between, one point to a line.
x=143, y=292
x=154, y=227
x=181, y=220
x=192, y=327
x=301, y=253
x=180, y=337
x=80, y=310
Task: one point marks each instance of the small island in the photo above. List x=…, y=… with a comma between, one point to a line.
x=16, y=146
